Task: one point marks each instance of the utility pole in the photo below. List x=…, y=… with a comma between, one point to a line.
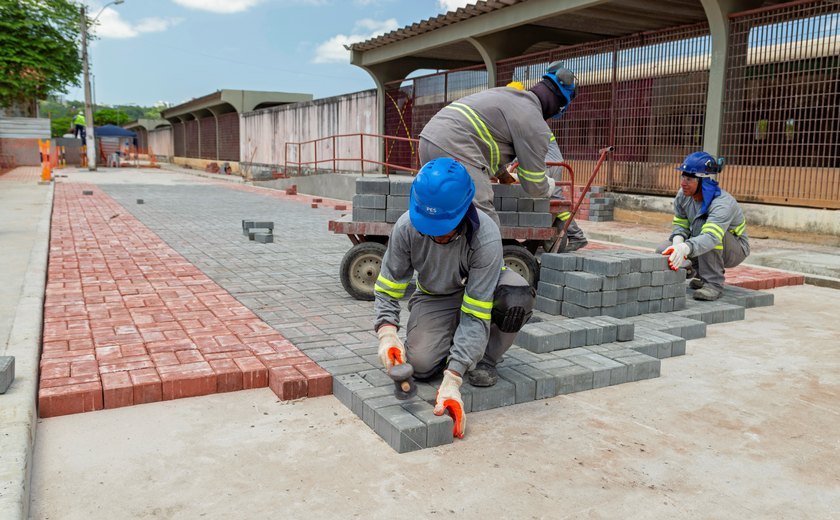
x=91, y=139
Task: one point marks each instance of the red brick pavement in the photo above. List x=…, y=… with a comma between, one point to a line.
x=23, y=174
x=745, y=276
x=127, y=320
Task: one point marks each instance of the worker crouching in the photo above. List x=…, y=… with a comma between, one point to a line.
x=709, y=229
x=467, y=308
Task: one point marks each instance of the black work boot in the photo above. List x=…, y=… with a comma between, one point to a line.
x=484, y=374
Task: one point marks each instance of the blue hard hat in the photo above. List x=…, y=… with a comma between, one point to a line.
x=701, y=164
x=563, y=82
x=441, y=194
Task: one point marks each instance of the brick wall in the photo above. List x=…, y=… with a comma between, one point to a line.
x=191, y=140
x=24, y=152
x=208, y=137
x=229, y=137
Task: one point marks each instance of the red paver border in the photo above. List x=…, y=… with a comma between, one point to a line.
x=127, y=320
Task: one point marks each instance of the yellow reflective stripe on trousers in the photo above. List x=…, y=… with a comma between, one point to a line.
x=485, y=135
x=531, y=176
x=714, y=229
x=682, y=222
x=564, y=216
x=738, y=231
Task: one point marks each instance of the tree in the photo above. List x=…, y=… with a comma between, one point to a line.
x=109, y=116
x=39, y=49
x=60, y=126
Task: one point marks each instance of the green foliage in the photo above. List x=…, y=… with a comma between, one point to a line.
x=109, y=116
x=60, y=126
x=39, y=48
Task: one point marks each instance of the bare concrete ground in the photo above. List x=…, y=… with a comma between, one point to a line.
x=744, y=426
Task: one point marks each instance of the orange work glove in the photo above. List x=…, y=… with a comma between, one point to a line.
x=391, y=349
x=449, y=399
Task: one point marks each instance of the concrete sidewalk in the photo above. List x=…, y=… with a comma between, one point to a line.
x=25, y=209
x=698, y=441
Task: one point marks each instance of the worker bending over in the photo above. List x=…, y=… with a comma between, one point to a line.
x=467, y=308
x=709, y=229
x=486, y=130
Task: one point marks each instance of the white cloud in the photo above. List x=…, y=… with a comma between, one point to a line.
x=332, y=50
x=451, y=5
x=219, y=6
x=111, y=25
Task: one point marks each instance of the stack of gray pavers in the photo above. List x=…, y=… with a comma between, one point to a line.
x=380, y=199
x=259, y=231
x=516, y=209
x=609, y=283
x=600, y=206
x=552, y=355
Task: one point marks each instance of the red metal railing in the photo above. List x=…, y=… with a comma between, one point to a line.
x=306, y=153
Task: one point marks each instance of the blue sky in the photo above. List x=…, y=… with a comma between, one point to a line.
x=174, y=50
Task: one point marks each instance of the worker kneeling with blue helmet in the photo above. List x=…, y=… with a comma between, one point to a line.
x=468, y=307
x=709, y=232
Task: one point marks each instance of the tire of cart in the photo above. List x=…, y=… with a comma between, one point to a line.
x=518, y=259
x=360, y=269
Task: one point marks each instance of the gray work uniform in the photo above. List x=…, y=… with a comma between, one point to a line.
x=718, y=238
x=485, y=131
x=450, y=312
x=556, y=172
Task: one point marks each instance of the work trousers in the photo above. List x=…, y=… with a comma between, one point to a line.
x=711, y=266
x=483, y=198
x=431, y=328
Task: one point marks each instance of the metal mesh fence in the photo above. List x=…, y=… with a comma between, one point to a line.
x=645, y=94
x=781, y=132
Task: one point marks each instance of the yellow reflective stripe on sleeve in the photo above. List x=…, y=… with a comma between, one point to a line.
x=481, y=315
x=393, y=294
x=719, y=246
x=682, y=222
x=564, y=215
x=478, y=303
x=738, y=231
x=552, y=138
x=531, y=176
x=392, y=285
x=482, y=132
x=714, y=229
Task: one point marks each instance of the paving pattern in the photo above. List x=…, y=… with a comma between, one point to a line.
x=127, y=320
x=293, y=285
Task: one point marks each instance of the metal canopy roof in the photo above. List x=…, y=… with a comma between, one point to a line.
x=559, y=22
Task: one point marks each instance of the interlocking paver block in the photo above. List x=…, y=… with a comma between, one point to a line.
x=378, y=186
x=397, y=202
x=553, y=276
x=7, y=372
x=584, y=299
x=550, y=290
x=538, y=220
x=370, y=201
x=545, y=385
x=570, y=379
x=525, y=387
x=583, y=281
x=508, y=218
x=548, y=305
x=576, y=311
x=503, y=393
x=400, y=187
x=559, y=261
x=602, y=265
x=264, y=238
x=577, y=332
x=439, y=428
x=400, y=428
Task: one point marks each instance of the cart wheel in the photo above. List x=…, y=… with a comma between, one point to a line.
x=521, y=261
x=360, y=269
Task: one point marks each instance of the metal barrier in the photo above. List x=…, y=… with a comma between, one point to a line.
x=329, y=153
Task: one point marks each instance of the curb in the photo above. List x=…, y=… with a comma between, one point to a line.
x=18, y=415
